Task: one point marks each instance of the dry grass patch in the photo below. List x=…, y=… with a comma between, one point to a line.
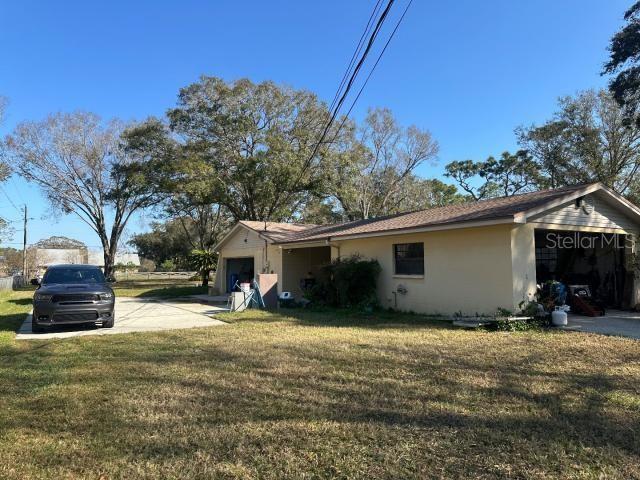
x=321, y=395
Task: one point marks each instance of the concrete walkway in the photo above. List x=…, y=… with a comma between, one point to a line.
x=219, y=300
x=137, y=315
x=615, y=322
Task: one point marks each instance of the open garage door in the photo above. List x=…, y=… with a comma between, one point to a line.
x=585, y=258
x=238, y=270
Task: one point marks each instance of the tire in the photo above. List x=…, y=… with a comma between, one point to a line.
x=35, y=328
x=109, y=323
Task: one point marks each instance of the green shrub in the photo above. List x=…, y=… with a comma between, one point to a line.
x=167, y=266
x=347, y=282
x=147, y=265
x=533, y=323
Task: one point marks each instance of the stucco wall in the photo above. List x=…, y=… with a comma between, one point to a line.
x=466, y=270
x=247, y=243
x=523, y=262
x=296, y=263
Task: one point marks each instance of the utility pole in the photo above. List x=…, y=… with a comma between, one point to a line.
x=24, y=246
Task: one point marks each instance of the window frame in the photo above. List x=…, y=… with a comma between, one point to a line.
x=395, y=260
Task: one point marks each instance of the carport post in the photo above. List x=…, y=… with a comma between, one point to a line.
x=632, y=265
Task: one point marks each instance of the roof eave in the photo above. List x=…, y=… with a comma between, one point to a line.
x=631, y=209
x=404, y=231
x=587, y=189
x=231, y=232
x=261, y=234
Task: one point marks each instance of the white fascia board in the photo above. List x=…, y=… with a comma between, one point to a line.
x=560, y=201
x=617, y=199
x=315, y=243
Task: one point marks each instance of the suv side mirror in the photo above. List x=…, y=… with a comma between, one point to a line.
x=111, y=279
x=35, y=281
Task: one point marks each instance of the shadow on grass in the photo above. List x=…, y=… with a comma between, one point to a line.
x=159, y=292
x=166, y=397
x=21, y=301
x=248, y=388
x=11, y=322
x=341, y=318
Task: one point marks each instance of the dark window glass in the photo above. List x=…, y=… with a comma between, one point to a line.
x=409, y=258
x=73, y=275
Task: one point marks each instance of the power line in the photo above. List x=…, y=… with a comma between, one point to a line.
x=354, y=73
x=9, y=198
x=356, y=52
x=373, y=68
x=358, y=66
x=352, y=78
x=12, y=180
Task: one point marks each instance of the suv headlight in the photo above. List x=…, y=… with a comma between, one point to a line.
x=41, y=297
x=106, y=296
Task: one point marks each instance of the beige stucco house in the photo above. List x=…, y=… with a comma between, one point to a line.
x=468, y=258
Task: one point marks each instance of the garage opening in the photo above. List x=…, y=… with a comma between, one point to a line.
x=585, y=259
x=238, y=270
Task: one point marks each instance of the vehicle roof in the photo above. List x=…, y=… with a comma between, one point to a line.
x=72, y=265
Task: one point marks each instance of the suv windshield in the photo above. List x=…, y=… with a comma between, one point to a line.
x=73, y=275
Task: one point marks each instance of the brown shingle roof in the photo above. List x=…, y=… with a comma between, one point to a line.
x=484, y=210
x=276, y=231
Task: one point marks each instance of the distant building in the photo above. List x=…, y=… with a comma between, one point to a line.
x=57, y=250
x=96, y=257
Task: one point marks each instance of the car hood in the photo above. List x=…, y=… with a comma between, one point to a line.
x=60, y=288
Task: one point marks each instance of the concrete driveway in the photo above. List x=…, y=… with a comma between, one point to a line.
x=615, y=322
x=138, y=315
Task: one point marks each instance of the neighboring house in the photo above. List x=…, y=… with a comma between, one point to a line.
x=470, y=258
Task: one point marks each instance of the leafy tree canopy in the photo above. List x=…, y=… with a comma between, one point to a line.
x=375, y=177
x=508, y=175
x=252, y=144
x=165, y=241
x=77, y=162
x=624, y=63
x=588, y=140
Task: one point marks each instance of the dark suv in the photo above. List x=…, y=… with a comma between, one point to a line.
x=71, y=294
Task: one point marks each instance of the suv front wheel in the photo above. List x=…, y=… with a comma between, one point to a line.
x=109, y=323
x=35, y=328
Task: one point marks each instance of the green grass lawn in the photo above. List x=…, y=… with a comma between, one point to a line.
x=320, y=395
x=157, y=288
x=14, y=306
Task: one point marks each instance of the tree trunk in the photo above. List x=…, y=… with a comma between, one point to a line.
x=205, y=278
x=109, y=261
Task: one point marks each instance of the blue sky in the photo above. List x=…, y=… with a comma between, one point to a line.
x=468, y=71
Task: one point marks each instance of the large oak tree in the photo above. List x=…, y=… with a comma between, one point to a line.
x=375, y=176
x=624, y=64
x=76, y=159
x=187, y=185
x=255, y=143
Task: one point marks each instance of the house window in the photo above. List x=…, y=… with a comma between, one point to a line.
x=409, y=258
